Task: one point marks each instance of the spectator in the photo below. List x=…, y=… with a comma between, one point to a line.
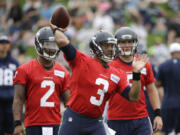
x=8, y=66
x=161, y=52
x=169, y=78
x=15, y=15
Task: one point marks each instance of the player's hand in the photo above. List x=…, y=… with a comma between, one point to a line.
x=18, y=130
x=60, y=38
x=139, y=63
x=157, y=126
x=54, y=26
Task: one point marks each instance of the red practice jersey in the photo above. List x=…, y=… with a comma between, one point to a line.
x=91, y=85
x=120, y=108
x=43, y=91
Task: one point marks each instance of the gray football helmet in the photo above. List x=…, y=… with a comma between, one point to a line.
x=45, y=44
x=126, y=34
x=99, y=39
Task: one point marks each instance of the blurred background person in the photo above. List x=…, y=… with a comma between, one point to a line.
x=8, y=67
x=169, y=78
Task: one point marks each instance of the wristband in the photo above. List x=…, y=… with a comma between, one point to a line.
x=54, y=30
x=157, y=112
x=17, y=123
x=136, y=76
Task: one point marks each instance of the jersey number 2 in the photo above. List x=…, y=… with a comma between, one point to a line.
x=100, y=92
x=44, y=102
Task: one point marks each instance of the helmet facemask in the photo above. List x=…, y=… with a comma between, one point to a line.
x=127, y=41
x=127, y=50
x=50, y=50
x=98, y=51
x=47, y=49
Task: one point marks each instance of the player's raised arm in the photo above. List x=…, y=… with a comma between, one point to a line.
x=138, y=65
x=59, y=22
x=63, y=42
x=60, y=37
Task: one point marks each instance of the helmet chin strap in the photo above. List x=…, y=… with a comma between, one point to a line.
x=106, y=59
x=103, y=57
x=48, y=57
x=127, y=53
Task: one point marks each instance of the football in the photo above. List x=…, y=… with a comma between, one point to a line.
x=60, y=17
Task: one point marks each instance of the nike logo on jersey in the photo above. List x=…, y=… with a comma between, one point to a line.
x=46, y=77
x=115, y=78
x=128, y=72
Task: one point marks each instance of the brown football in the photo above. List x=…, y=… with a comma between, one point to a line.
x=60, y=17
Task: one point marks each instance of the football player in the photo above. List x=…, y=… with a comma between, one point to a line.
x=39, y=84
x=93, y=82
x=8, y=67
x=125, y=117
x=169, y=78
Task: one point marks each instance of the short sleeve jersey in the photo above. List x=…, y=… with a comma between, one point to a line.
x=43, y=91
x=91, y=85
x=125, y=109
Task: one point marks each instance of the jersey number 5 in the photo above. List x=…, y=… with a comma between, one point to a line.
x=100, y=92
x=129, y=79
x=44, y=102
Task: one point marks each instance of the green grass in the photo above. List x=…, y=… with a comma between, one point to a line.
x=166, y=9
x=154, y=38
x=31, y=52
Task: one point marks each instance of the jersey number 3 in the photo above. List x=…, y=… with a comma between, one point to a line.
x=44, y=102
x=100, y=92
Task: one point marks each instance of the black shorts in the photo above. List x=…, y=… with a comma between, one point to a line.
x=77, y=124
x=6, y=117
x=140, y=126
